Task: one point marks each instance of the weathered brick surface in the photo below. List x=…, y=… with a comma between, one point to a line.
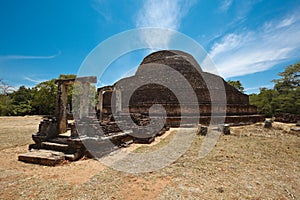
x=204, y=85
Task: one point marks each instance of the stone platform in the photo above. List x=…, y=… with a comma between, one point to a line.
x=91, y=142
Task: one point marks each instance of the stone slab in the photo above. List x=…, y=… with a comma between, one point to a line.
x=295, y=129
x=56, y=146
x=42, y=157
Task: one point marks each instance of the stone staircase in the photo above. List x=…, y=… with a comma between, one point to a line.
x=89, y=138
x=53, y=151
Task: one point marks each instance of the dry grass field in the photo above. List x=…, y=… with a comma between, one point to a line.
x=251, y=163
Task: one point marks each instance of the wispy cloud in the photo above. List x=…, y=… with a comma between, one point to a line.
x=162, y=14
x=225, y=5
x=249, y=51
x=102, y=8
x=33, y=80
x=255, y=88
x=244, y=8
x=28, y=57
x=287, y=22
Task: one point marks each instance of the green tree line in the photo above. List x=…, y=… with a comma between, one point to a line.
x=39, y=100
x=284, y=97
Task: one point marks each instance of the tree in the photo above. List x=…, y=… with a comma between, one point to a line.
x=40, y=100
x=288, y=87
x=265, y=101
x=44, y=99
x=5, y=88
x=22, y=101
x=237, y=85
x=290, y=79
x=5, y=100
x=284, y=98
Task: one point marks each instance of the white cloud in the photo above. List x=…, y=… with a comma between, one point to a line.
x=225, y=5
x=34, y=80
x=102, y=8
x=229, y=42
x=131, y=72
x=286, y=22
x=161, y=14
x=247, y=52
x=256, y=88
x=28, y=57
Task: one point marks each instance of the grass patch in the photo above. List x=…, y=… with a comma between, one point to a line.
x=17, y=131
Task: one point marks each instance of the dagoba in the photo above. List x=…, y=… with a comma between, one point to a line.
x=167, y=68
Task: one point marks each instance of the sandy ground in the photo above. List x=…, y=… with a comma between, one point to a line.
x=251, y=163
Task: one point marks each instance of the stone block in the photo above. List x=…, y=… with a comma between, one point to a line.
x=202, y=130
x=42, y=157
x=268, y=123
x=224, y=128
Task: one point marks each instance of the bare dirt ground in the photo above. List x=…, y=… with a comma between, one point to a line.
x=251, y=163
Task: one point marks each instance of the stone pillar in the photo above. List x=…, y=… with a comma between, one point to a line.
x=84, y=100
x=61, y=112
x=118, y=101
x=100, y=104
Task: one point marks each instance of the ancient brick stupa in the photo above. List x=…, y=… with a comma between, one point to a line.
x=212, y=92
x=172, y=79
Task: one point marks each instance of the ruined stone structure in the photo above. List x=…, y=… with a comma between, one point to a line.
x=70, y=137
x=52, y=146
x=94, y=132
x=236, y=104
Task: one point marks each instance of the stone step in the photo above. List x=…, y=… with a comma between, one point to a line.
x=126, y=142
x=56, y=147
x=99, y=153
x=116, y=135
x=58, y=140
x=295, y=129
x=73, y=157
x=147, y=140
x=42, y=157
x=47, y=157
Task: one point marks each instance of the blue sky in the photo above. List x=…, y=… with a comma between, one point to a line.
x=250, y=41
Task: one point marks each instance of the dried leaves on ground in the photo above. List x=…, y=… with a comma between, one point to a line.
x=251, y=163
